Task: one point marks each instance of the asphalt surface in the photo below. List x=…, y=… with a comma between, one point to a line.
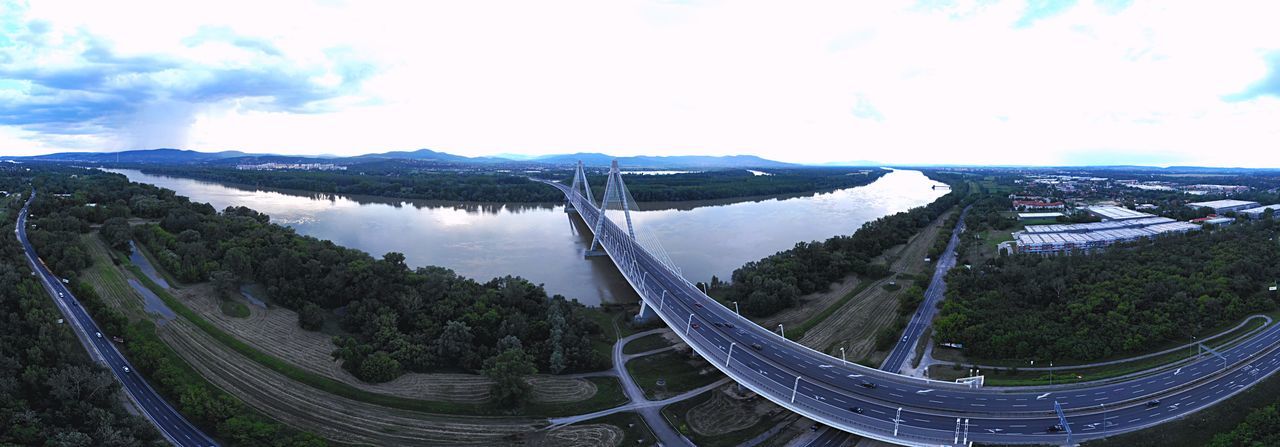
x=914, y=411
x=167, y=420
x=929, y=306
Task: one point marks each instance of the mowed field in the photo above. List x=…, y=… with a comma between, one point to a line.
x=336, y=418
x=854, y=326
x=275, y=331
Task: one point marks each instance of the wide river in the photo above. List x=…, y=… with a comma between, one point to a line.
x=545, y=245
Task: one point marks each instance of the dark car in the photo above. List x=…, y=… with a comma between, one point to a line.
x=868, y=385
x=718, y=324
x=696, y=326
x=729, y=325
x=698, y=305
x=757, y=347
x=856, y=409
x=1154, y=403
x=1055, y=428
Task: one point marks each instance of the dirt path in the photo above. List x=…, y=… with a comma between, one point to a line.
x=276, y=332
x=722, y=414
x=854, y=326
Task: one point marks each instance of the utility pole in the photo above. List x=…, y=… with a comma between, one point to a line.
x=735, y=308
x=782, y=330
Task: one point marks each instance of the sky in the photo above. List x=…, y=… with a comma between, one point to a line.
x=984, y=82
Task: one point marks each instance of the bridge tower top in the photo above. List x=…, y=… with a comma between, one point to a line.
x=615, y=191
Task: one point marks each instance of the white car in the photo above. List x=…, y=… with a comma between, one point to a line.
x=126, y=369
x=98, y=334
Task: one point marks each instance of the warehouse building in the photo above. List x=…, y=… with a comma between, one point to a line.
x=1256, y=213
x=1225, y=206
x=1065, y=238
x=1109, y=212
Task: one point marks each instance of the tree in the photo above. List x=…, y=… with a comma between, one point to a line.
x=508, y=370
x=224, y=282
x=311, y=317
x=117, y=233
x=455, y=341
x=379, y=367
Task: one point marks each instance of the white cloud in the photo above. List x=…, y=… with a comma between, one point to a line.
x=808, y=82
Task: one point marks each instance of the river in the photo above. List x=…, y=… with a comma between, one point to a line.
x=545, y=245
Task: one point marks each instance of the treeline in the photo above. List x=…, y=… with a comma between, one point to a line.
x=1125, y=300
x=712, y=185
x=50, y=392
x=774, y=283
x=452, y=186
x=1260, y=428
x=398, y=319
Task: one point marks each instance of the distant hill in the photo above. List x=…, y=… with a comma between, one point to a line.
x=675, y=161
x=181, y=156
x=138, y=156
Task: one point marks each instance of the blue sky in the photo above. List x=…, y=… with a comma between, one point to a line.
x=982, y=82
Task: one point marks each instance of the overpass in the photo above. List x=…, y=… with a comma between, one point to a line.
x=887, y=406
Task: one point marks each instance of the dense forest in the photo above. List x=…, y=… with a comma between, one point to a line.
x=50, y=391
x=774, y=283
x=1261, y=428
x=711, y=185
x=1125, y=300
x=493, y=186
x=397, y=319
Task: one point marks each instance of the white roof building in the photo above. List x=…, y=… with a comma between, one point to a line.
x=1256, y=213
x=1094, y=236
x=1223, y=206
x=1110, y=212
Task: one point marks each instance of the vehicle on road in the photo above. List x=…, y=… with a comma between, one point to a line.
x=757, y=347
x=729, y=325
x=1154, y=403
x=97, y=334
x=856, y=409
x=126, y=369
x=697, y=305
x=1055, y=428
x=696, y=326
x=867, y=385
x=904, y=338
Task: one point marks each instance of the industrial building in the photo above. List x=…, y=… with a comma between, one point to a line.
x=1224, y=206
x=1039, y=216
x=1065, y=238
x=1256, y=213
x=1109, y=212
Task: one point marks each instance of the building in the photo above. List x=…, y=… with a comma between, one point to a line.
x=1065, y=238
x=1225, y=206
x=1256, y=213
x=1039, y=216
x=1109, y=212
x=1146, y=207
x=1218, y=221
x=1031, y=205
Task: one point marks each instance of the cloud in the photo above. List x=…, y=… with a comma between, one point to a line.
x=75, y=83
x=1267, y=86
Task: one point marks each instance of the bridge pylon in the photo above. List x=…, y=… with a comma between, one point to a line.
x=614, y=191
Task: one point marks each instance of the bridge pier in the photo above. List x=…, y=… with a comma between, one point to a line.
x=646, y=313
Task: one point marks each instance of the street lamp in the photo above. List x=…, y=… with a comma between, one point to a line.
x=735, y=308
x=782, y=330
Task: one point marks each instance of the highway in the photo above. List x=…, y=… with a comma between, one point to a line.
x=175, y=428
x=921, y=320
x=913, y=411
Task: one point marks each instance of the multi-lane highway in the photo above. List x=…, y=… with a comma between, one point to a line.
x=913, y=411
x=929, y=307
x=168, y=421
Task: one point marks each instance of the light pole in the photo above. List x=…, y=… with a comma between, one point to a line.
x=846, y=361
x=1051, y=373
x=729, y=357
x=782, y=330
x=735, y=308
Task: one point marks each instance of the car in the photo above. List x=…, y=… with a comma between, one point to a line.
x=97, y=334
x=867, y=385
x=60, y=295
x=695, y=326
x=1154, y=403
x=904, y=338
x=757, y=347
x=1055, y=428
x=126, y=369
x=697, y=305
x=856, y=409
x=729, y=325
x=718, y=324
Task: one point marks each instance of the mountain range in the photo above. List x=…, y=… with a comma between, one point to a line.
x=182, y=156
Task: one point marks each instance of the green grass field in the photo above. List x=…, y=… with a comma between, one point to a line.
x=680, y=373
x=234, y=309
x=676, y=413
x=645, y=344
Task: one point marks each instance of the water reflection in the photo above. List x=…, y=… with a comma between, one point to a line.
x=544, y=244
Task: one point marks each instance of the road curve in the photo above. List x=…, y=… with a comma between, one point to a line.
x=175, y=428
x=913, y=411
